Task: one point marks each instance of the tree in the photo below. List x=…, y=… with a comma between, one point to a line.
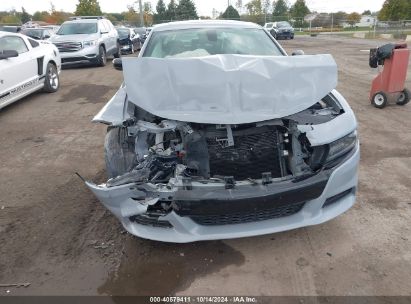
x=339, y=17
x=171, y=10
x=25, y=17
x=186, y=10
x=395, y=10
x=161, y=14
x=148, y=13
x=239, y=5
x=41, y=16
x=353, y=18
x=131, y=16
x=299, y=10
x=88, y=8
x=280, y=9
x=230, y=13
x=366, y=13
x=254, y=8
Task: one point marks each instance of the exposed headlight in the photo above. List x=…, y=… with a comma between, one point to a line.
x=341, y=146
x=90, y=43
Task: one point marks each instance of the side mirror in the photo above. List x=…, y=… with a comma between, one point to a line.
x=118, y=64
x=8, y=54
x=297, y=53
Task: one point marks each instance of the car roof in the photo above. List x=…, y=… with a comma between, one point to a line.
x=3, y=33
x=84, y=20
x=180, y=25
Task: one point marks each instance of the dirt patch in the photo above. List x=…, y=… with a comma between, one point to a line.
x=149, y=268
x=92, y=93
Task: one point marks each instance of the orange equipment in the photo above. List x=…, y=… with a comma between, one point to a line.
x=389, y=84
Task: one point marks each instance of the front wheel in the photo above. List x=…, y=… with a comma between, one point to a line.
x=379, y=100
x=404, y=97
x=51, y=81
x=118, y=53
x=102, y=57
x=119, y=152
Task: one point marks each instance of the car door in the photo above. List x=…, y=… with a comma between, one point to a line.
x=17, y=74
x=108, y=36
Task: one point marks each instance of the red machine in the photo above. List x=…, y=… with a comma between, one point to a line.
x=389, y=85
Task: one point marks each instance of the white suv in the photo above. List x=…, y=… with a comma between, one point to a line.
x=86, y=40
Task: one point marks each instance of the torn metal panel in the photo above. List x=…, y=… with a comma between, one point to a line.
x=228, y=89
x=114, y=112
x=334, y=129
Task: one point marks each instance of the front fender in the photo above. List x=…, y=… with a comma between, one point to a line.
x=114, y=113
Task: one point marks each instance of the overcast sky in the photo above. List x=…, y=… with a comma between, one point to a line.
x=204, y=7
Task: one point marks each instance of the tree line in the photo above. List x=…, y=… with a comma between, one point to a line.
x=258, y=11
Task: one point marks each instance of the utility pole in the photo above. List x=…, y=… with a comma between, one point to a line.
x=332, y=22
x=141, y=13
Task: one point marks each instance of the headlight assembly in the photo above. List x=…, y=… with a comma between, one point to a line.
x=341, y=146
x=90, y=43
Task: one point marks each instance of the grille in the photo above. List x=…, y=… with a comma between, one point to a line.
x=68, y=46
x=250, y=156
x=240, y=218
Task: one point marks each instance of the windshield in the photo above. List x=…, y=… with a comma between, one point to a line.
x=33, y=33
x=283, y=24
x=77, y=28
x=204, y=42
x=123, y=33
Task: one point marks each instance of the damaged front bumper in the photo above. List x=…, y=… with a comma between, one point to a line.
x=209, y=211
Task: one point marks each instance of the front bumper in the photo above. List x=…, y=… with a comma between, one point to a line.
x=125, y=201
x=85, y=55
x=125, y=49
x=285, y=35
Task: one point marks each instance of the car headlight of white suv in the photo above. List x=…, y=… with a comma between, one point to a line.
x=90, y=43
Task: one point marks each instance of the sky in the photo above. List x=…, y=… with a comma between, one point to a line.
x=204, y=7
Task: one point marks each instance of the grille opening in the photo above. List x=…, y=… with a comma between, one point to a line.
x=248, y=217
x=150, y=220
x=251, y=155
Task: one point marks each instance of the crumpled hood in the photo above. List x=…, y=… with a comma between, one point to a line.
x=228, y=89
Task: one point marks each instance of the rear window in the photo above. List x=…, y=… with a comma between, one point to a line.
x=210, y=41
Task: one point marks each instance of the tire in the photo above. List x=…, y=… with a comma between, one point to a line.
x=102, y=56
x=52, y=80
x=292, y=37
x=379, y=100
x=404, y=97
x=118, y=53
x=119, y=152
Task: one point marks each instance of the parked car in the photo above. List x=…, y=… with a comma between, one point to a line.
x=38, y=33
x=26, y=66
x=128, y=39
x=53, y=28
x=233, y=139
x=87, y=40
x=142, y=32
x=280, y=30
x=10, y=28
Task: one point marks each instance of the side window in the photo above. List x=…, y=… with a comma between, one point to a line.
x=13, y=43
x=103, y=27
x=33, y=43
x=108, y=25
